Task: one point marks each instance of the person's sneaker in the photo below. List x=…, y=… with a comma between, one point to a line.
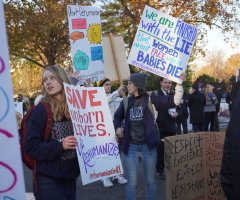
x=106, y=182
x=119, y=179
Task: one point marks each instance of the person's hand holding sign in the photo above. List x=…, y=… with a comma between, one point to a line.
x=119, y=132
x=183, y=76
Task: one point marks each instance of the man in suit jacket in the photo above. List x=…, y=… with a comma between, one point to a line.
x=196, y=102
x=166, y=124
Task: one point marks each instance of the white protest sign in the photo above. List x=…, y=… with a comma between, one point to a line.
x=97, y=150
x=86, y=42
x=162, y=44
x=19, y=107
x=11, y=172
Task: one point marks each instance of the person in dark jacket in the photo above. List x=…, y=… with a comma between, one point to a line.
x=222, y=88
x=140, y=136
x=230, y=173
x=166, y=121
x=196, y=102
x=234, y=91
x=229, y=100
x=57, y=164
x=218, y=95
x=181, y=120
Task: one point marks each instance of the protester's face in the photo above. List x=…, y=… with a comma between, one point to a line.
x=107, y=87
x=210, y=89
x=220, y=80
x=190, y=91
x=19, y=98
x=51, y=85
x=166, y=84
x=132, y=89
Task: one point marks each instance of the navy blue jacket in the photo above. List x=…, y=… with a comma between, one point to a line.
x=230, y=168
x=151, y=133
x=52, y=159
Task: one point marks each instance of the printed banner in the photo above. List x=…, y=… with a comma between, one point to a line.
x=97, y=150
x=162, y=44
x=86, y=42
x=11, y=172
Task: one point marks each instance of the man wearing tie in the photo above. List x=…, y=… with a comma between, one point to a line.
x=166, y=124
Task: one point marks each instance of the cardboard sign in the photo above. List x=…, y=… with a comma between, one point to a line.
x=115, y=59
x=192, y=166
x=86, y=42
x=97, y=150
x=11, y=173
x=162, y=44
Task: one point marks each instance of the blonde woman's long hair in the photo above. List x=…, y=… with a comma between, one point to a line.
x=207, y=91
x=59, y=109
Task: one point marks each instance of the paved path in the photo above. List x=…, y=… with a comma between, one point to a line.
x=96, y=191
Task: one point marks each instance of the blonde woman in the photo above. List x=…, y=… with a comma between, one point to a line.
x=57, y=165
x=210, y=108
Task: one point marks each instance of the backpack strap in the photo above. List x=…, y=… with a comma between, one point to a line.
x=49, y=120
x=125, y=104
x=150, y=106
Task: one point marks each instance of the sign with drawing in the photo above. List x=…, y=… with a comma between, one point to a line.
x=86, y=42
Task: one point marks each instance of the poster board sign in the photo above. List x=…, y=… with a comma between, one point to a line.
x=224, y=113
x=11, y=172
x=97, y=150
x=192, y=166
x=86, y=42
x=162, y=44
x=120, y=56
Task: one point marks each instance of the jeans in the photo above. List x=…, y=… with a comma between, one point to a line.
x=131, y=160
x=51, y=189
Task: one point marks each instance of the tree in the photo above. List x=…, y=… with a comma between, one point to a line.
x=26, y=77
x=205, y=79
x=124, y=16
x=38, y=30
x=231, y=65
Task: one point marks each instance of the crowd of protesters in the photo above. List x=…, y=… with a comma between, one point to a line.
x=140, y=139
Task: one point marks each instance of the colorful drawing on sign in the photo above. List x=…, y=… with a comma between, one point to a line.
x=80, y=61
x=97, y=53
x=94, y=33
x=91, y=155
x=76, y=36
x=79, y=24
x=8, y=188
x=162, y=44
x=2, y=65
x=4, y=132
x=4, y=108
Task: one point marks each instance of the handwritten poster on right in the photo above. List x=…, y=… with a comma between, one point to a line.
x=162, y=44
x=192, y=166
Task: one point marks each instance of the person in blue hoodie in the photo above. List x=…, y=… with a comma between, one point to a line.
x=140, y=135
x=57, y=165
